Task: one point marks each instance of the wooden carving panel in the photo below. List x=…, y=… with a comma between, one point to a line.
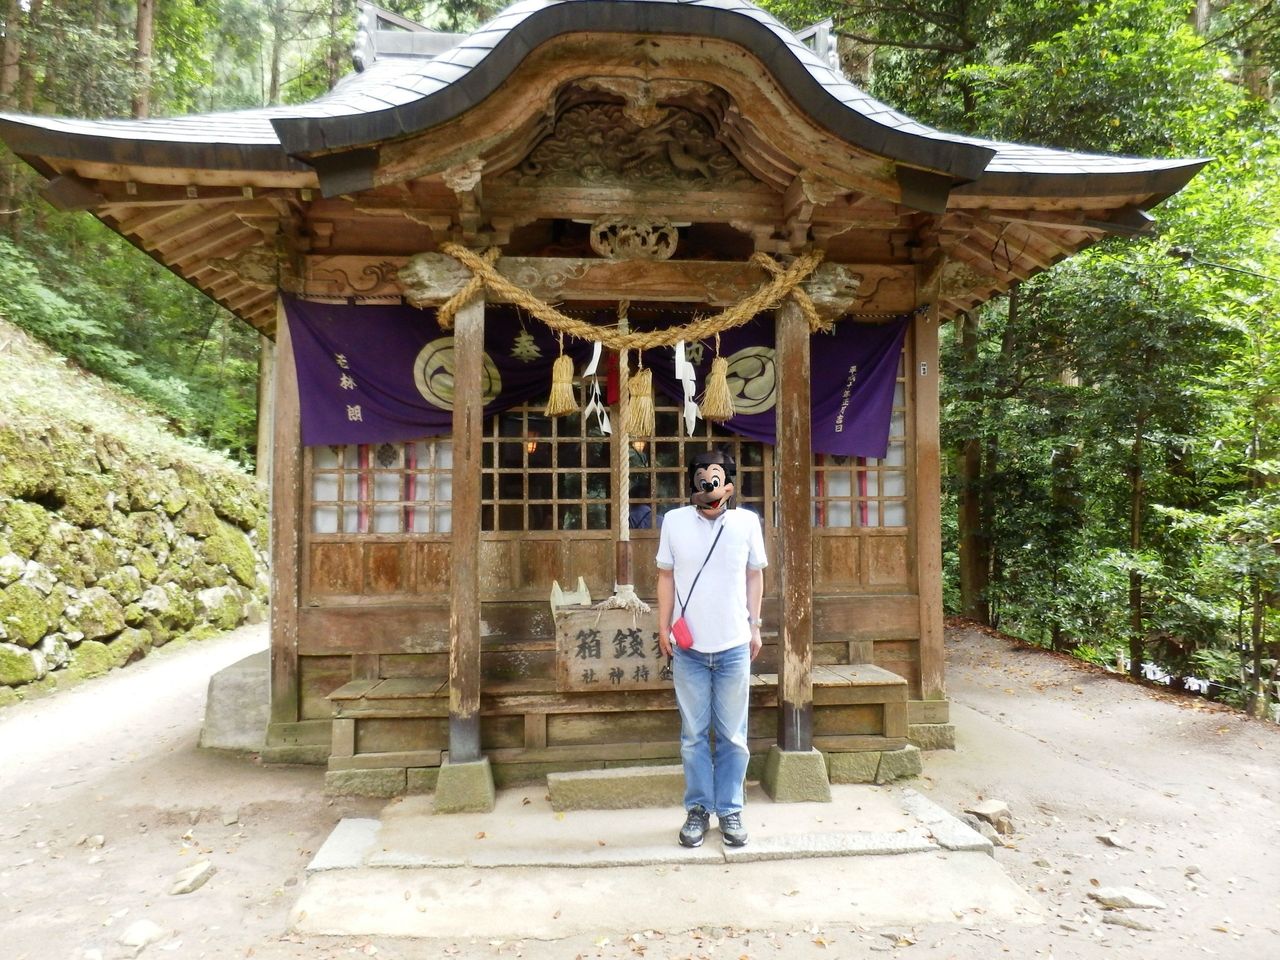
x=597, y=144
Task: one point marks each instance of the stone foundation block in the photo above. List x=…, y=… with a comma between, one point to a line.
x=795, y=776
x=618, y=788
x=897, y=764
x=388, y=782
x=932, y=736
x=421, y=779
x=853, y=767
x=465, y=787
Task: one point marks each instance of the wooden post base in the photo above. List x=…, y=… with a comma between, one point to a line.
x=465, y=787
x=792, y=776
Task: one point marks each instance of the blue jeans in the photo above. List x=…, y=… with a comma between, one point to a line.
x=712, y=689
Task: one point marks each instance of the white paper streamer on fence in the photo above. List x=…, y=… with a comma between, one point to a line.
x=688, y=378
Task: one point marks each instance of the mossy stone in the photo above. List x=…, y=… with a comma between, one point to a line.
x=12, y=567
x=146, y=528
x=25, y=614
x=197, y=518
x=62, y=555
x=87, y=499
x=17, y=666
x=125, y=584
x=99, y=614
x=28, y=525
x=131, y=644
x=180, y=613
x=26, y=467
x=174, y=500
x=92, y=658
x=9, y=696
x=145, y=563
x=229, y=547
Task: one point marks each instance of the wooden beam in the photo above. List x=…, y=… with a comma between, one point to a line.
x=795, y=532
x=711, y=282
x=266, y=377
x=206, y=218
x=228, y=234
x=286, y=530
x=464, y=609
x=927, y=502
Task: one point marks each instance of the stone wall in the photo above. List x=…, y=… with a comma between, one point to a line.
x=107, y=552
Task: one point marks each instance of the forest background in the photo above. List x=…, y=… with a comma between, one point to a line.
x=1113, y=424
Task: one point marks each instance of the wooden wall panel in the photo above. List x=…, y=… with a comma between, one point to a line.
x=498, y=569
x=848, y=719
x=387, y=568
x=414, y=665
x=887, y=561
x=593, y=560
x=499, y=732
x=319, y=677
x=433, y=565
x=649, y=726
x=374, y=629
x=539, y=562
x=868, y=617
x=395, y=736
x=836, y=562
x=335, y=569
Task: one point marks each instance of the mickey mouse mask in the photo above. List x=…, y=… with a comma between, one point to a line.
x=711, y=477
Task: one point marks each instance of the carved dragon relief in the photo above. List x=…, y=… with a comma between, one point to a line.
x=597, y=144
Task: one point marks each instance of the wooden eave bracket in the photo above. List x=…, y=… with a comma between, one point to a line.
x=69, y=192
x=923, y=189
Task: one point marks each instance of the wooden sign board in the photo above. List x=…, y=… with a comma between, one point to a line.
x=602, y=650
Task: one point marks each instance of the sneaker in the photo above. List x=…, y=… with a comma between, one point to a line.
x=732, y=830
x=695, y=828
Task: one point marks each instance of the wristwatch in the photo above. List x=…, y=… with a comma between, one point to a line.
x=755, y=621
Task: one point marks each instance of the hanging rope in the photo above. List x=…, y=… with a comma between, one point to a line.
x=783, y=282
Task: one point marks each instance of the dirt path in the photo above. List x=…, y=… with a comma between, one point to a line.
x=106, y=798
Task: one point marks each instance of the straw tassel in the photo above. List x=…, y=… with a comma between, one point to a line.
x=717, y=401
x=640, y=405
x=562, y=399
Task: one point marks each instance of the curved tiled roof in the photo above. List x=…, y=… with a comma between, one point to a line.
x=401, y=97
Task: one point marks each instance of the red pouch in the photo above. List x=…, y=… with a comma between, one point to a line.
x=684, y=636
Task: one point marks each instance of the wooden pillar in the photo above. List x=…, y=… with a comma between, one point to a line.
x=266, y=384
x=464, y=608
x=927, y=502
x=286, y=528
x=795, y=532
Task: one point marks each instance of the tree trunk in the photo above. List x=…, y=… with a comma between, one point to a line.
x=27, y=67
x=333, y=59
x=10, y=53
x=142, y=58
x=1137, y=644
x=278, y=15
x=975, y=554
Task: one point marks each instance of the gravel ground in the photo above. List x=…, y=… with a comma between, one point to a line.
x=1111, y=784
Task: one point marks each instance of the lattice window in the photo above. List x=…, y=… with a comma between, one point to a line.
x=862, y=492
x=659, y=481
x=545, y=473
x=382, y=488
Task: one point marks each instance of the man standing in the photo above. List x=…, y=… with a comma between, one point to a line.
x=711, y=575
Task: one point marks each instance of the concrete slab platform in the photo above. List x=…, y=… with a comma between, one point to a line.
x=873, y=855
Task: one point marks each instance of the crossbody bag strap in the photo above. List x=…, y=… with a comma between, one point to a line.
x=685, y=603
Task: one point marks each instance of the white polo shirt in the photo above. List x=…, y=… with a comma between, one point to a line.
x=717, y=610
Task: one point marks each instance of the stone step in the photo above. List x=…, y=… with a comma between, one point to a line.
x=616, y=788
